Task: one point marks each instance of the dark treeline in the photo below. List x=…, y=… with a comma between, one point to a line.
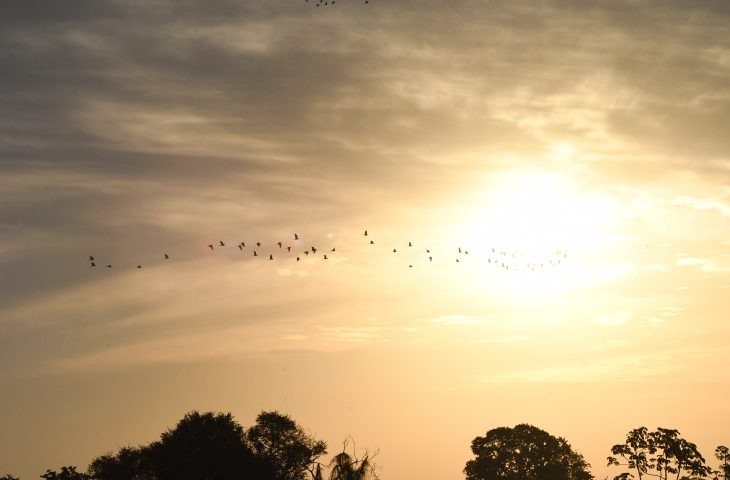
x=213, y=446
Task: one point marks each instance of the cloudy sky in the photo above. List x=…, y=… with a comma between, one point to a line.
x=590, y=132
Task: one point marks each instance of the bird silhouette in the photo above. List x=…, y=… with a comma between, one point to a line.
x=243, y=244
x=314, y=250
x=221, y=243
x=271, y=257
x=258, y=244
x=296, y=237
x=210, y=246
x=333, y=248
x=167, y=257
x=395, y=251
x=372, y=243
x=93, y=264
x=410, y=244
x=279, y=243
x=139, y=266
x=306, y=252
x=325, y=256
x=288, y=249
x=255, y=254
x=108, y=266
x=430, y=259
x=91, y=258
x=297, y=259
x=240, y=247
x=366, y=233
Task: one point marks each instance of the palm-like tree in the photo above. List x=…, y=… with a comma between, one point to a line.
x=346, y=467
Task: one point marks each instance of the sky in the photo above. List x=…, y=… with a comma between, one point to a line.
x=578, y=150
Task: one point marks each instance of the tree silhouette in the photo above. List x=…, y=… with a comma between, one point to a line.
x=662, y=451
x=8, y=477
x=524, y=452
x=281, y=442
x=722, y=453
x=348, y=467
x=207, y=446
x=129, y=464
x=66, y=473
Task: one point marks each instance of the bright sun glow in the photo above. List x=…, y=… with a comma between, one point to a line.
x=541, y=233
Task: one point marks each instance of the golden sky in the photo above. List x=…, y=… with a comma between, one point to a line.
x=594, y=129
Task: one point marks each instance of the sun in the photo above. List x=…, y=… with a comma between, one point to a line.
x=541, y=232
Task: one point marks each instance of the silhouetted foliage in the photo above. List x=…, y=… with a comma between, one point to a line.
x=129, y=464
x=280, y=441
x=524, y=452
x=66, y=473
x=662, y=451
x=722, y=453
x=8, y=477
x=207, y=446
x=348, y=467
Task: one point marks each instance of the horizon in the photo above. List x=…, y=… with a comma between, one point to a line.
x=578, y=153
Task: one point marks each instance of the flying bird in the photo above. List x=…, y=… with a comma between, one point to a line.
x=139, y=266
x=255, y=254
x=333, y=248
x=296, y=237
x=297, y=259
x=372, y=243
x=210, y=246
x=108, y=266
x=93, y=264
x=410, y=244
x=271, y=257
x=221, y=243
x=288, y=249
x=325, y=256
x=258, y=244
x=279, y=243
x=366, y=233
x=167, y=257
x=240, y=247
x=91, y=258
x=314, y=250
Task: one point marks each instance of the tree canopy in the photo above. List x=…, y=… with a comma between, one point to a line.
x=281, y=442
x=524, y=452
x=662, y=451
x=213, y=446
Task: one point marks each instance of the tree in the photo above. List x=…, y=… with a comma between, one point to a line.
x=722, y=453
x=209, y=446
x=662, y=450
x=348, y=467
x=524, y=452
x=9, y=477
x=67, y=473
x=129, y=464
x=282, y=443
x=202, y=446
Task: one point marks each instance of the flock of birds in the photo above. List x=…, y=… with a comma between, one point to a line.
x=329, y=3
x=507, y=260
